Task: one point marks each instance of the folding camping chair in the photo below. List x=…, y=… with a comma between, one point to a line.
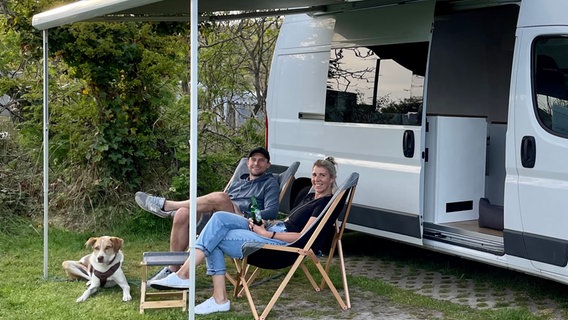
x=266, y=256
x=178, y=298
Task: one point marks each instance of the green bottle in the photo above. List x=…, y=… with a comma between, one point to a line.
x=255, y=211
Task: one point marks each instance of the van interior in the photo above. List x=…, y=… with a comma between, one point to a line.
x=468, y=84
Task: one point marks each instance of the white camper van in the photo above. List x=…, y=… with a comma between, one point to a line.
x=454, y=112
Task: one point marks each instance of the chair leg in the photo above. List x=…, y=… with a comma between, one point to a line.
x=248, y=280
x=310, y=277
x=235, y=281
x=247, y=292
x=343, y=275
x=283, y=285
x=241, y=276
x=276, y=294
x=143, y=277
x=330, y=285
x=334, y=243
x=142, y=296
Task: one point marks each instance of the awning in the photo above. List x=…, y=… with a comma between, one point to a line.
x=164, y=10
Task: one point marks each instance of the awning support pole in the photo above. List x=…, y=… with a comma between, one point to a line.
x=193, y=115
x=45, y=154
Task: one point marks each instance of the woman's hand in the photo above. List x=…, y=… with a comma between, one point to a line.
x=260, y=230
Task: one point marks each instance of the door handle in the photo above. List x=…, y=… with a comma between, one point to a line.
x=408, y=143
x=528, y=151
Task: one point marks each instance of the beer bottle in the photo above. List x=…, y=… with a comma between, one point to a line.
x=255, y=211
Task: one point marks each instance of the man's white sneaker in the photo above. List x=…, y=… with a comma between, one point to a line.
x=172, y=281
x=152, y=204
x=209, y=306
x=164, y=272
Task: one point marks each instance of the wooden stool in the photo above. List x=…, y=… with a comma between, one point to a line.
x=161, y=299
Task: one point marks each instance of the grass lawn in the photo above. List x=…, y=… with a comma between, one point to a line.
x=25, y=294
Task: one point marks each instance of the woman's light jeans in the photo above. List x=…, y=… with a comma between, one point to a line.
x=224, y=234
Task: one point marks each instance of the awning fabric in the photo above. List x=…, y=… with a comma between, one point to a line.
x=101, y=10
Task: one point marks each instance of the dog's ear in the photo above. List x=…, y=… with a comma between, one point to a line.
x=116, y=243
x=91, y=242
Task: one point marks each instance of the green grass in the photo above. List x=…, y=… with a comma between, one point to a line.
x=25, y=294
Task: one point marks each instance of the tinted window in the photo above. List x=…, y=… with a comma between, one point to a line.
x=550, y=67
x=380, y=84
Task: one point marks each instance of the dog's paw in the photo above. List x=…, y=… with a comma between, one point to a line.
x=88, y=283
x=81, y=299
x=126, y=297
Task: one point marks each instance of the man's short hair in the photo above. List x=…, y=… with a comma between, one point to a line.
x=260, y=150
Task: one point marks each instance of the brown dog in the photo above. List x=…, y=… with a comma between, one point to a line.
x=101, y=268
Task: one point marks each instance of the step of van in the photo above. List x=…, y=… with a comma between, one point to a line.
x=464, y=238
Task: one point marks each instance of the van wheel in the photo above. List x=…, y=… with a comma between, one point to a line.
x=300, y=196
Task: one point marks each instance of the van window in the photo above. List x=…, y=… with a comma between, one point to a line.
x=550, y=68
x=376, y=84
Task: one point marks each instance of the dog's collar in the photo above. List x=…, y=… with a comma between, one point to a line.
x=111, y=261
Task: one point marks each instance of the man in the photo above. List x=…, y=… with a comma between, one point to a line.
x=236, y=199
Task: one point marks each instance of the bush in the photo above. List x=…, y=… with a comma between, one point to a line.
x=20, y=180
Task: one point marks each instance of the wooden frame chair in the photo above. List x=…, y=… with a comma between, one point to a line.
x=265, y=256
x=178, y=298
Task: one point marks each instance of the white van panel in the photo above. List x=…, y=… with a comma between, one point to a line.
x=311, y=32
x=405, y=23
x=542, y=13
x=298, y=58
x=388, y=182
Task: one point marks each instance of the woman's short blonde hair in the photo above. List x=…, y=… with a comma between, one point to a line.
x=329, y=164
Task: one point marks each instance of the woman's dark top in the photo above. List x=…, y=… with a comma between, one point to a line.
x=309, y=207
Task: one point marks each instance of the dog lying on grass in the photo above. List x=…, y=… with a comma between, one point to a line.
x=101, y=268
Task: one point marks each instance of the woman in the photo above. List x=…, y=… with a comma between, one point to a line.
x=225, y=234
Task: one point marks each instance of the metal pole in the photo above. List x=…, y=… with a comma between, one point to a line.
x=45, y=154
x=193, y=154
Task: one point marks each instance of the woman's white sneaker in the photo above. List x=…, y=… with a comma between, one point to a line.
x=209, y=306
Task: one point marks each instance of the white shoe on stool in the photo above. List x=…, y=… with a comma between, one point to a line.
x=164, y=272
x=172, y=281
x=209, y=306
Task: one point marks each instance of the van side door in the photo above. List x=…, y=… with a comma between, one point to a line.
x=374, y=113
